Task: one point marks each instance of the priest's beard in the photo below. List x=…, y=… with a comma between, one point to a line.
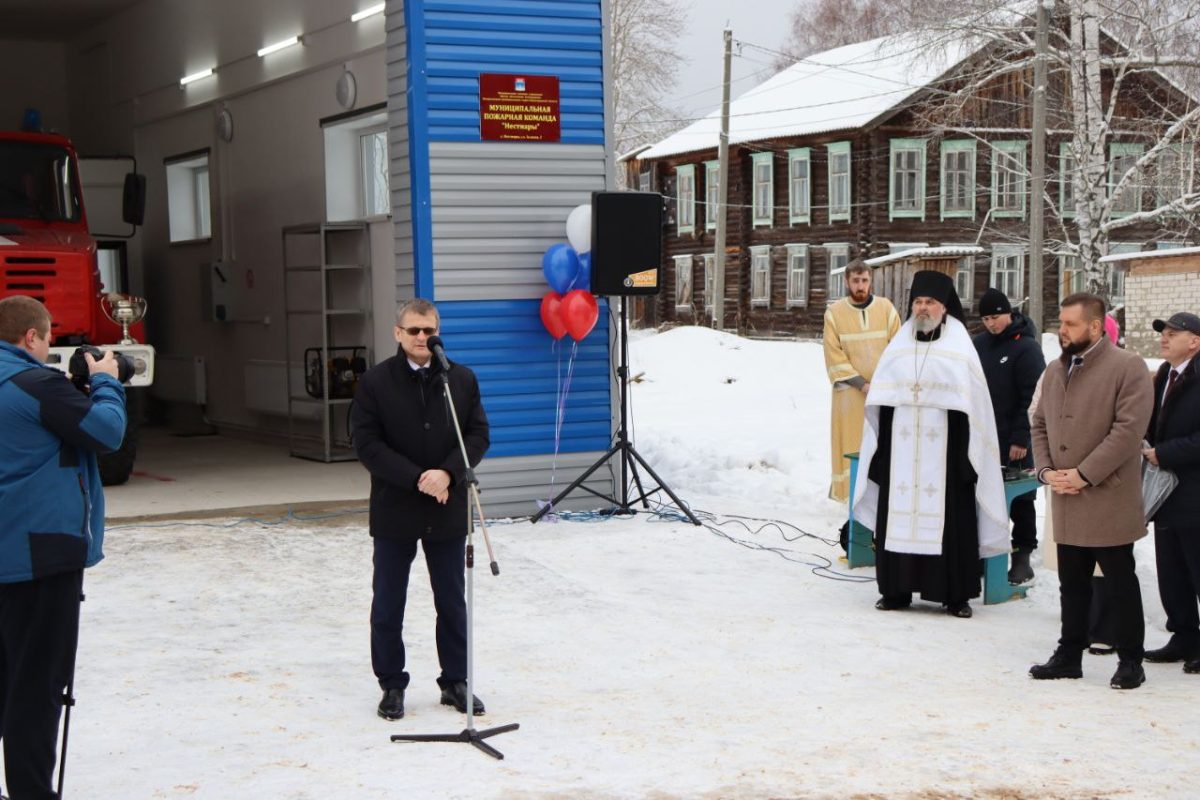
x=927, y=323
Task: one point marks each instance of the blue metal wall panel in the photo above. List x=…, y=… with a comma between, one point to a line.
x=521, y=370
x=537, y=37
x=417, y=95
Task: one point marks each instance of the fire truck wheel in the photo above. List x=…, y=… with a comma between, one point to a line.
x=116, y=467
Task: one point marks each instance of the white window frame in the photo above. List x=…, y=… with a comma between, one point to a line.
x=902, y=177
x=836, y=151
x=683, y=288
x=644, y=183
x=1008, y=162
x=1116, y=277
x=1071, y=277
x=189, y=198
x=837, y=254
x=1118, y=153
x=346, y=179
x=685, y=198
x=1067, y=165
x=760, y=276
x=799, y=189
x=712, y=188
x=953, y=147
x=762, y=187
x=964, y=282
x=797, y=275
x=710, y=268
x=1172, y=183
x=1013, y=288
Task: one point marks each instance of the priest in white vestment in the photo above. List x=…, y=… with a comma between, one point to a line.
x=933, y=491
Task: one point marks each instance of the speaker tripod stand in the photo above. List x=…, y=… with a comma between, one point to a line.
x=623, y=449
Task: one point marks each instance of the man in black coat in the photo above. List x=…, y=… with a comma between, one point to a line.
x=404, y=436
x=1174, y=439
x=1012, y=363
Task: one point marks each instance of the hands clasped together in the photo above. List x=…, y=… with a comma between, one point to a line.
x=436, y=484
x=1065, y=481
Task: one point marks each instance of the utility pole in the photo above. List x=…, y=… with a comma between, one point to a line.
x=1037, y=191
x=722, y=194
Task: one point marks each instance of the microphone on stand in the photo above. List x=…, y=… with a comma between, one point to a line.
x=434, y=343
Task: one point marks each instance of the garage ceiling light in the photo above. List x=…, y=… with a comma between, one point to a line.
x=271, y=48
x=195, y=76
x=367, y=12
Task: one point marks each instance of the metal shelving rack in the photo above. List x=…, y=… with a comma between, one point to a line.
x=335, y=240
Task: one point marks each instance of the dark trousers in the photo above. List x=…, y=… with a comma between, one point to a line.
x=446, y=561
x=39, y=630
x=1024, y=519
x=1177, y=552
x=1075, y=568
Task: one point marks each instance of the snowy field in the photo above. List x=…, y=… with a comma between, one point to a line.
x=642, y=658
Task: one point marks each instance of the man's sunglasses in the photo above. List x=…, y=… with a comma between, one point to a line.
x=415, y=331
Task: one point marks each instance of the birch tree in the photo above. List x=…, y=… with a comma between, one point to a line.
x=1119, y=73
x=818, y=25
x=646, y=61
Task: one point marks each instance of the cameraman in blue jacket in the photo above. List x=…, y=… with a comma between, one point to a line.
x=51, y=527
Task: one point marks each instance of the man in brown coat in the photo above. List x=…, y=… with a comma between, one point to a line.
x=1087, y=431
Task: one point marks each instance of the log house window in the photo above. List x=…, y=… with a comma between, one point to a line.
x=839, y=257
x=1008, y=271
x=1066, y=180
x=763, y=166
x=683, y=282
x=710, y=268
x=712, y=193
x=799, y=185
x=1008, y=179
x=907, y=179
x=1116, y=277
x=644, y=181
x=1172, y=175
x=1071, y=277
x=958, y=178
x=797, y=275
x=1122, y=156
x=839, y=181
x=760, y=275
x=685, y=198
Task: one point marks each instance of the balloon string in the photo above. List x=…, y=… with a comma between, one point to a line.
x=560, y=415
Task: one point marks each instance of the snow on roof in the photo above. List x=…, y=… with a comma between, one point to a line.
x=840, y=89
x=948, y=251
x=1138, y=255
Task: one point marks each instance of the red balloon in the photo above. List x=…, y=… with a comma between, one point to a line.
x=579, y=313
x=552, y=314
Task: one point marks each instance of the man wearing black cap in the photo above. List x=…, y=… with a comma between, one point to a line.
x=934, y=495
x=1174, y=439
x=1012, y=361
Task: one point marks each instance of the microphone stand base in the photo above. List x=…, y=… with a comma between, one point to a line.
x=467, y=736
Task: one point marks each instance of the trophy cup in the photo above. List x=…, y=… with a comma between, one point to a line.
x=124, y=310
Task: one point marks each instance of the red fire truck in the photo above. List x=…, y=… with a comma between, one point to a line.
x=47, y=252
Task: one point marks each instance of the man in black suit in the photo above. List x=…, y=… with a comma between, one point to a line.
x=404, y=436
x=1174, y=439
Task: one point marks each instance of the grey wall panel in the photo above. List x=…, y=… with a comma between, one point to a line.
x=400, y=178
x=508, y=484
x=498, y=207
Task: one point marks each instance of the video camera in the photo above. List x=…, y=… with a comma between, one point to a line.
x=78, y=367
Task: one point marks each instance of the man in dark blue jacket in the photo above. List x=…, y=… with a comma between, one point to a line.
x=51, y=527
x=1174, y=439
x=1012, y=363
x=404, y=436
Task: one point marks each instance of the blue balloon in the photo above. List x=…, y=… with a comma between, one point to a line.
x=583, y=279
x=560, y=265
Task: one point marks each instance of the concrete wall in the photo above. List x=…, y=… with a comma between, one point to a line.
x=34, y=74
x=126, y=97
x=1156, y=289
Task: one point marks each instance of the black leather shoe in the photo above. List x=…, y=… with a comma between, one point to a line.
x=1170, y=653
x=960, y=610
x=1063, y=664
x=893, y=603
x=1129, y=675
x=456, y=695
x=392, y=705
x=1192, y=667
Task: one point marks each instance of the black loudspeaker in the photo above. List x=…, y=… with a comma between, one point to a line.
x=626, y=242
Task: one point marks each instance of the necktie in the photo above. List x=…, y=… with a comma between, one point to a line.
x=1076, y=362
x=1170, y=383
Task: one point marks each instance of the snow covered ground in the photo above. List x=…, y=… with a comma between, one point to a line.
x=643, y=658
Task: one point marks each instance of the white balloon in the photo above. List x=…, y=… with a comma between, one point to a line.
x=579, y=228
